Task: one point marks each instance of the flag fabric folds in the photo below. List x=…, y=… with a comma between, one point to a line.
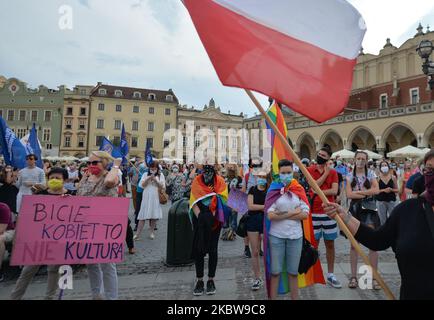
x=108, y=147
x=300, y=52
x=34, y=144
x=315, y=274
x=124, y=146
x=14, y=152
x=279, y=151
x=148, y=155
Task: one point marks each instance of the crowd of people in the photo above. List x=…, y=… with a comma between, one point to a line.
x=374, y=198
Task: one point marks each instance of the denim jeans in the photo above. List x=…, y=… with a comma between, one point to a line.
x=285, y=250
x=103, y=274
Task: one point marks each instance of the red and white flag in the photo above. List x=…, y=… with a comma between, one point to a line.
x=300, y=52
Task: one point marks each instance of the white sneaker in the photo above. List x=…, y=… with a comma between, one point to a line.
x=331, y=280
x=152, y=236
x=257, y=284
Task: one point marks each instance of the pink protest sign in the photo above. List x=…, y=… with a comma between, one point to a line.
x=237, y=200
x=54, y=230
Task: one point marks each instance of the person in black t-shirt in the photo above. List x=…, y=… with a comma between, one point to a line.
x=8, y=191
x=255, y=222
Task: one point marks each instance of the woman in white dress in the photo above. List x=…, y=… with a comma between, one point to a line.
x=150, y=208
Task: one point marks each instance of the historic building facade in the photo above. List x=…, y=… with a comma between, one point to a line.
x=21, y=106
x=146, y=114
x=391, y=106
x=75, y=124
x=209, y=129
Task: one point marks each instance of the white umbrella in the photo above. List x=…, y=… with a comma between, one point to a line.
x=344, y=154
x=85, y=159
x=407, y=152
x=372, y=155
x=426, y=150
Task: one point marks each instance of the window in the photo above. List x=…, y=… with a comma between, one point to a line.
x=22, y=115
x=151, y=110
x=99, y=140
x=21, y=133
x=166, y=126
x=151, y=96
x=150, y=126
x=166, y=143
x=134, y=142
x=234, y=143
x=100, y=124
x=47, y=116
x=414, y=96
x=383, y=101
x=46, y=135
x=82, y=111
x=137, y=95
x=150, y=142
x=102, y=92
x=211, y=128
x=11, y=115
x=34, y=115
x=101, y=107
x=81, y=141
x=135, y=126
x=197, y=142
x=116, y=140
x=48, y=146
x=118, y=124
x=169, y=98
x=167, y=112
x=136, y=109
x=69, y=111
x=67, y=142
x=198, y=128
x=118, y=108
x=68, y=124
x=82, y=125
x=184, y=141
x=83, y=92
x=210, y=142
x=118, y=93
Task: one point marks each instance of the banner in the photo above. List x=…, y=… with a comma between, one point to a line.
x=56, y=230
x=238, y=201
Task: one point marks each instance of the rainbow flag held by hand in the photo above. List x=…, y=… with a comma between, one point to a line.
x=278, y=149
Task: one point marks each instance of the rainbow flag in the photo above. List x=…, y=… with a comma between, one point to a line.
x=315, y=274
x=216, y=196
x=279, y=152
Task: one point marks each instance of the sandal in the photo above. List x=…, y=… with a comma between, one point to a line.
x=376, y=285
x=354, y=283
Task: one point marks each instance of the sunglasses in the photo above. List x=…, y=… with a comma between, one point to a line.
x=94, y=163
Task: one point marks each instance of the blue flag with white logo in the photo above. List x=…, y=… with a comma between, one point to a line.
x=124, y=146
x=148, y=156
x=14, y=152
x=34, y=145
x=108, y=147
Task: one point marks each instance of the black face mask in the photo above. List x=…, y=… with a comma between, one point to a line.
x=208, y=174
x=320, y=160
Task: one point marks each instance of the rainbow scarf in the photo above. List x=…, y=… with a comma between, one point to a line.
x=218, y=194
x=279, y=150
x=315, y=274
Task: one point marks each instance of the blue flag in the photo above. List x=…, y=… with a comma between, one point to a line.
x=124, y=146
x=108, y=147
x=14, y=152
x=148, y=156
x=34, y=145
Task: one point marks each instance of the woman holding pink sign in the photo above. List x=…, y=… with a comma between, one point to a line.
x=99, y=182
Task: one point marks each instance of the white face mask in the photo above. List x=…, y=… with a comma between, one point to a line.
x=175, y=170
x=384, y=169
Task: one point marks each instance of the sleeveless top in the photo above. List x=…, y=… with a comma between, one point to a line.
x=96, y=188
x=383, y=196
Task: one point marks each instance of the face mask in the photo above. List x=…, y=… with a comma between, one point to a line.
x=262, y=182
x=429, y=187
x=153, y=171
x=360, y=163
x=208, y=174
x=320, y=160
x=95, y=170
x=286, y=178
x=338, y=163
x=384, y=169
x=175, y=170
x=55, y=184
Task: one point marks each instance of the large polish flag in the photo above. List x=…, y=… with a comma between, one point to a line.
x=300, y=52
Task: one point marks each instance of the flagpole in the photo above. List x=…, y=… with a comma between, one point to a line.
x=321, y=194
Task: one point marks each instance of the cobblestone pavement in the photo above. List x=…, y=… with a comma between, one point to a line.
x=145, y=275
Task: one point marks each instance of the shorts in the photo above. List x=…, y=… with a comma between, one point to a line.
x=324, y=227
x=255, y=223
x=8, y=236
x=285, y=253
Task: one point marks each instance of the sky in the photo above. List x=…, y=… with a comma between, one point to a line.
x=149, y=44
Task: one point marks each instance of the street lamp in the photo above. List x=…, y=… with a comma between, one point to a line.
x=424, y=50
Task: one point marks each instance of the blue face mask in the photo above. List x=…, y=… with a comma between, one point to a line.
x=286, y=178
x=262, y=181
